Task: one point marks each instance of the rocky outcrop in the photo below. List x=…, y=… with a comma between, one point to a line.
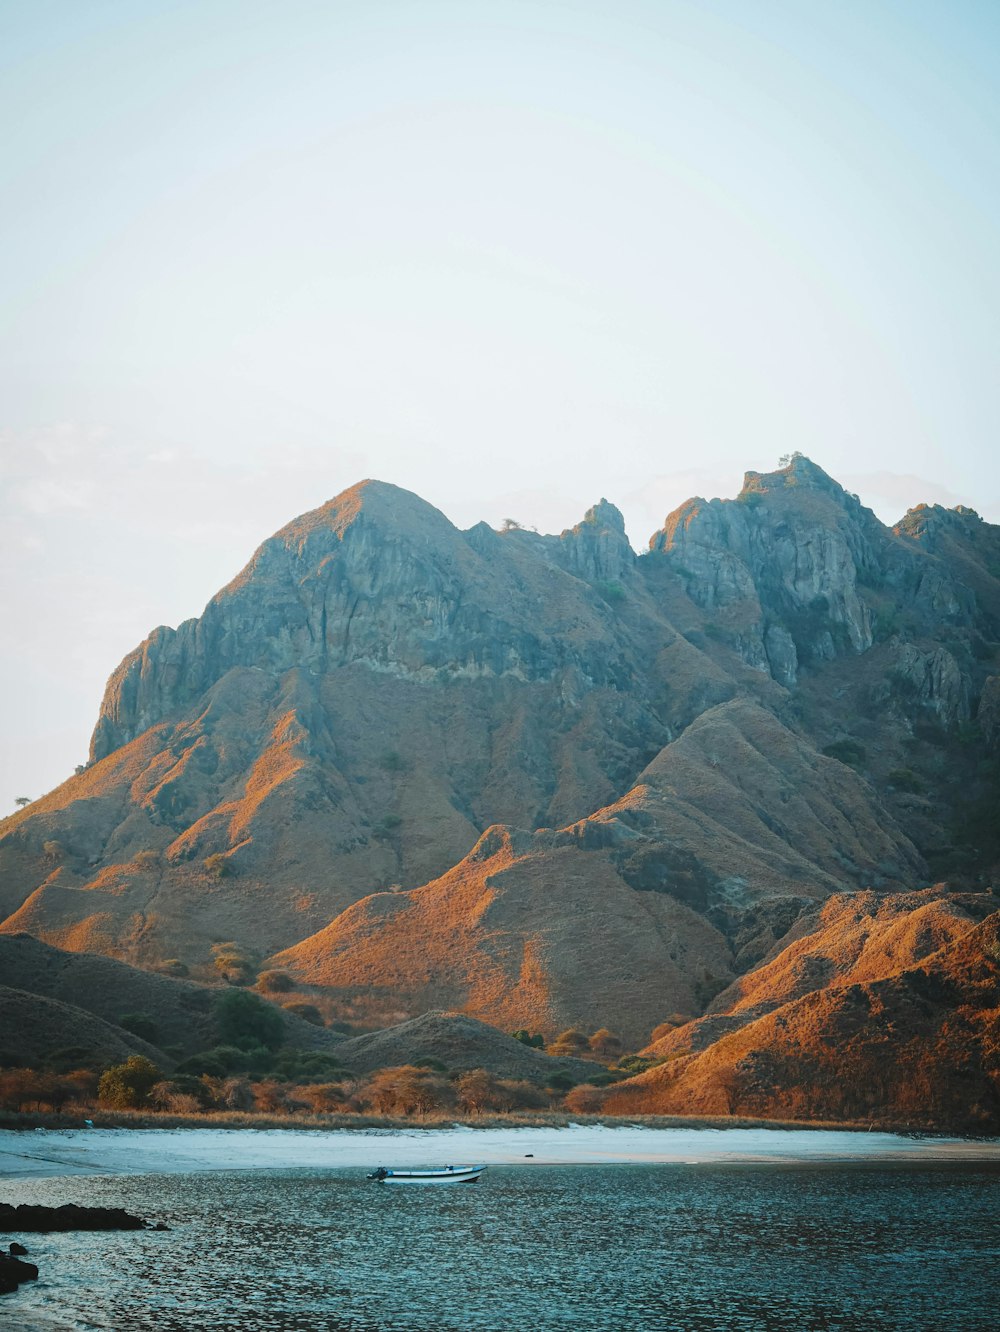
x=933, y=678
x=793, y=545
x=35, y=1218
x=597, y=549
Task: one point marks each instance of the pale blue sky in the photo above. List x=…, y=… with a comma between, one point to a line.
x=514, y=256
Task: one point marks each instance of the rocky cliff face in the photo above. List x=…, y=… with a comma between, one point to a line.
x=677, y=752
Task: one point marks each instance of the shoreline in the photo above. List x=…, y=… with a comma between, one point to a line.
x=56, y=1153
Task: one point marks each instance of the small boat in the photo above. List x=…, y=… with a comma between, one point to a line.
x=464, y=1174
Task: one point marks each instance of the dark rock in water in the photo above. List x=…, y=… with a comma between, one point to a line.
x=68, y=1217
x=18, y=1249
x=16, y=1270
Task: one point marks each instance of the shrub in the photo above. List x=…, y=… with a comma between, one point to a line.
x=242, y=1017
x=518, y=1094
x=569, y=1042
x=847, y=751
x=173, y=966
x=233, y=1094
x=308, y=1066
x=53, y=850
x=905, y=779
x=141, y=1025
x=127, y=1086
x=605, y=1043
x=478, y=1090
x=585, y=1100
x=307, y=1012
x=275, y=982
x=218, y=866
x=272, y=1098
x=21, y=1087
x=407, y=1090
x=536, y=1041
x=233, y=963
x=69, y=1057
x=613, y=593
x=182, y=1095
x=632, y=1064
x=325, y=1098
x=146, y=860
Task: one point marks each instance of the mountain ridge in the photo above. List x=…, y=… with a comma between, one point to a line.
x=781, y=700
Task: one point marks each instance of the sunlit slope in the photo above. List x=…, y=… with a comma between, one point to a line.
x=917, y=1040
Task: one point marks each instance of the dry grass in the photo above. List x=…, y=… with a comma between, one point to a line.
x=137, y=1119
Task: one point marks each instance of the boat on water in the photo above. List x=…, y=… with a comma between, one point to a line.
x=464, y=1174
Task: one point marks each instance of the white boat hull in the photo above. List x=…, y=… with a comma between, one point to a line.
x=451, y=1175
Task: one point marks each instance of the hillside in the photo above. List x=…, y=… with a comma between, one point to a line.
x=180, y=1012
x=37, y=1030
x=902, y=1027
x=458, y=1043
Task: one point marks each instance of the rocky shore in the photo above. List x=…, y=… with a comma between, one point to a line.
x=27, y=1218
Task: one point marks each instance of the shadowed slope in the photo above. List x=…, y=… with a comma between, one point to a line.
x=35, y=1028
x=180, y=1010
x=460, y=1043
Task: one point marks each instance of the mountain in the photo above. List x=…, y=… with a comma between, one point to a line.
x=542, y=780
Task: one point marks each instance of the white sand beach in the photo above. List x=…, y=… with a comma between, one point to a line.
x=58, y=1152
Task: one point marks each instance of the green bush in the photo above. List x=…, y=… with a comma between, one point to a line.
x=613, y=593
x=308, y=1066
x=242, y=1017
x=905, y=779
x=127, y=1086
x=536, y=1041
x=633, y=1064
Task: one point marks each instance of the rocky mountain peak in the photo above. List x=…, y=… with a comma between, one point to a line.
x=798, y=471
x=597, y=549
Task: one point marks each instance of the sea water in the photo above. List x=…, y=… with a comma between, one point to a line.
x=540, y=1248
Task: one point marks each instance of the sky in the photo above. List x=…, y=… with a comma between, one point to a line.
x=514, y=255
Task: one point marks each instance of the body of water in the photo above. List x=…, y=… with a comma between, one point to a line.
x=531, y=1248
